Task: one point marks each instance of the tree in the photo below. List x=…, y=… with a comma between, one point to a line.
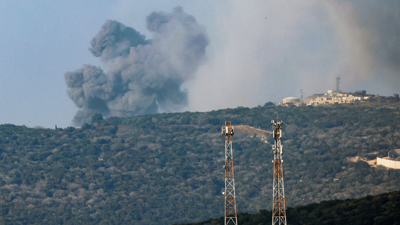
x=97, y=118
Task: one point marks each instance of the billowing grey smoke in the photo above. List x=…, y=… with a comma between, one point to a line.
x=143, y=76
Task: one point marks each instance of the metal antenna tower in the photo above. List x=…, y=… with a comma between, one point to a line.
x=230, y=197
x=278, y=202
x=337, y=84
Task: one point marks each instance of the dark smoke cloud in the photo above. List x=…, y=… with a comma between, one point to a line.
x=143, y=76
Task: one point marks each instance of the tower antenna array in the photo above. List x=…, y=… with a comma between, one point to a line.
x=230, y=197
x=278, y=200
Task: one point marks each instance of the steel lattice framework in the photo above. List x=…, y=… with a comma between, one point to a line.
x=230, y=197
x=278, y=202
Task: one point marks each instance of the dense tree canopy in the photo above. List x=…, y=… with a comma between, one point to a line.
x=167, y=168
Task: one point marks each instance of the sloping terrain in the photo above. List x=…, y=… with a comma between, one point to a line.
x=371, y=210
x=167, y=168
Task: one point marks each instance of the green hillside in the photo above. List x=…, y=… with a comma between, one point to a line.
x=167, y=168
x=371, y=210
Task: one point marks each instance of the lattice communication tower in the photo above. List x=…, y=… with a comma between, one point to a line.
x=278, y=201
x=229, y=193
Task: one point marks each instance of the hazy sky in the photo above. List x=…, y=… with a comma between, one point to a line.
x=258, y=51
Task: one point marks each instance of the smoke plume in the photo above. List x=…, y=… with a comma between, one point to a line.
x=268, y=50
x=143, y=76
x=368, y=32
x=261, y=51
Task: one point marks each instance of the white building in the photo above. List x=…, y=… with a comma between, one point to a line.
x=290, y=100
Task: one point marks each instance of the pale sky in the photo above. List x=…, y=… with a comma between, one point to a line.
x=40, y=40
x=259, y=51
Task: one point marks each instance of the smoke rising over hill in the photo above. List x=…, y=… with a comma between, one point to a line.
x=368, y=34
x=143, y=76
x=382, y=22
x=268, y=50
x=261, y=51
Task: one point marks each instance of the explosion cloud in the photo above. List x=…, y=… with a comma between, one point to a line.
x=143, y=76
x=302, y=45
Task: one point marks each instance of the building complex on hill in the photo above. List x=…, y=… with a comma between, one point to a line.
x=332, y=97
x=335, y=97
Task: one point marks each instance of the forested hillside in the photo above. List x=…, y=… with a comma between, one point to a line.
x=167, y=168
x=372, y=210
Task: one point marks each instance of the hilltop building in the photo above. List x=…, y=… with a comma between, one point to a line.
x=332, y=97
x=392, y=161
x=291, y=100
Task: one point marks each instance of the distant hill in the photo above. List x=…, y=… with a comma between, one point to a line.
x=167, y=168
x=372, y=210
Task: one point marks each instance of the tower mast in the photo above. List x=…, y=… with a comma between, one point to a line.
x=278, y=202
x=230, y=197
x=337, y=84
